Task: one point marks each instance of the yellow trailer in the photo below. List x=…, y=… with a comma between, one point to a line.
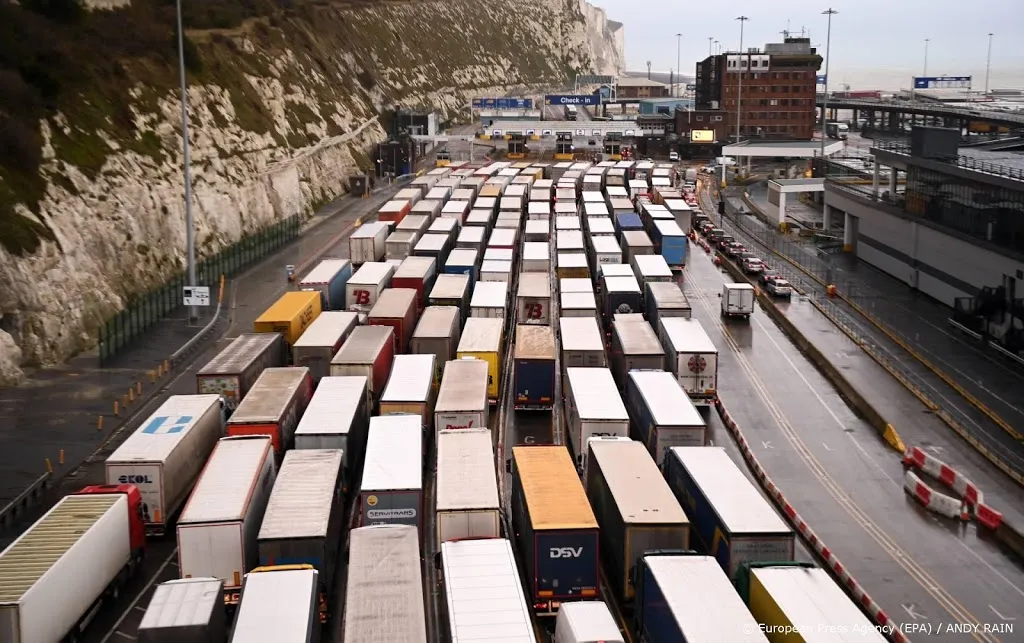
x=481, y=338
x=800, y=603
x=290, y=315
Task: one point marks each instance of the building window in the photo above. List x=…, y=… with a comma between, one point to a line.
x=716, y=118
x=773, y=102
x=699, y=117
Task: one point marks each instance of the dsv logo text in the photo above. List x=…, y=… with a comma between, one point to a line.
x=565, y=552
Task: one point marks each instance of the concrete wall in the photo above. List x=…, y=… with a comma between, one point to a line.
x=938, y=264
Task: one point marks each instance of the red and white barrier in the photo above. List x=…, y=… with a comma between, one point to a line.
x=855, y=591
x=932, y=500
x=917, y=458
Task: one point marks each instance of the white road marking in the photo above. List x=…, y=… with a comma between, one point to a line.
x=114, y=630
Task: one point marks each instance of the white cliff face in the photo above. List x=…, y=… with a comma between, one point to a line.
x=120, y=231
x=605, y=47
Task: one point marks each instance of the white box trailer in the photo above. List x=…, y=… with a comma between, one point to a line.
x=665, y=299
x=418, y=223
x=236, y=368
x=537, y=231
x=650, y=269
x=568, y=223
x=480, y=218
x=467, y=485
x=582, y=342
x=737, y=300
x=367, y=243
x=494, y=270
x=536, y=256
x=367, y=284
x=510, y=204
x=384, y=594
x=594, y=408
x=445, y=227
x=218, y=527
x=692, y=357
x=185, y=610
x=490, y=299
x=59, y=570
x=509, y=220
x=456, y=210
x=569, y=241
x=635, y=346
x=319, y=343
x=498, y=254
x=166, y=453
x=596, y=209
x=411, y=388
x=471, y=237
x=462, y=401
x=439, y=193
x=663, y=415
x=486, y=203
x=567, y=208
x=277, y=606
x=575, y=284
x=428, y=207
x=412, y=195
x=538, y=211
x=463, y=193
x=578, y=304
x=586, y=622
x=391, y=491
x=503, y=238
x=337, y=418
x=400, y=244
x=533, y=300
x=484, y=593
x=605, y=249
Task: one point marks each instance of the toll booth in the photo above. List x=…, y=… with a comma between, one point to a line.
x=516, y=147
x=444, y=158
x=563, y=146
x=613, y=146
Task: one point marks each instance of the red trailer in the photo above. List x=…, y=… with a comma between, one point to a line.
x=368, y=351
x=396, y=307
x=394, y=211
x=417, y=273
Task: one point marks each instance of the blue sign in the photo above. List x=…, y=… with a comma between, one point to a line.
x=822, y=79
x=478, y=103
x=159, y=425
x=502, y=103
x=942, y=82
x=586, y=99
x=691, y=87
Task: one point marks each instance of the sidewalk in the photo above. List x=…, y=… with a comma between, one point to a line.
x=58, y=409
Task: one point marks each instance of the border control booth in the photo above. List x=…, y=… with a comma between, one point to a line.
x=563, y=146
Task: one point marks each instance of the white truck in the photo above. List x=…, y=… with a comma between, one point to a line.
x=692, y=357
x=594, y=407
x=586, y=622
x=218, y=528
x=166, y=453
x=278, y=605
x=462, y=401
x=185, y=610
x=467, y=486
x=368, y=241
x=737, y=300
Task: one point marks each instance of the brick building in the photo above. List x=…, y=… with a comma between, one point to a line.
x=779, y=86
x=635, y=87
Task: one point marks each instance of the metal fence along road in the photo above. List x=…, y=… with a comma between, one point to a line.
x=852, y=313
x=146, y=309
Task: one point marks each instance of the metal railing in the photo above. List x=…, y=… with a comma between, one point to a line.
x=927, y=108
x=146, y=309
x=966, y=162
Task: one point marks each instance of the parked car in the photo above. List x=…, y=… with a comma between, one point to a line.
x=673, y=156
x=752, y=265
x=778, y=287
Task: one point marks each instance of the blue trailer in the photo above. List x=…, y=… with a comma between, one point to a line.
x=464, y=261
x=534, y=367
x=329, y=278
x=627, y=221
x=671, y=243
x=682, y=597
x=728, y=516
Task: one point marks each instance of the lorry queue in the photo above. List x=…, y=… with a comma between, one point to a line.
x=381, y=371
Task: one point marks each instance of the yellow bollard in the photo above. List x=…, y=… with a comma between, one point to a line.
x=117, y=409
x=99, y=423
x=138, y=388
x=124, y=401
x=131, y=395
x=60, y=457
x=167, y=366
x=49, y=466
x=152, y=376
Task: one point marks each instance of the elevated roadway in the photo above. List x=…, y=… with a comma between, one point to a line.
x=922, y=108
x=845, y=482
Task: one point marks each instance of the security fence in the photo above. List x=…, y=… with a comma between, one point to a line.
x=146, y=309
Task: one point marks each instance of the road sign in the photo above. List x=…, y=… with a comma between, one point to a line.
x=821, y=79
x=546, y=132
x=691, y=87
x=584, y=99
x=581, y=132
x=942, y=82
x=531, y=132
x=197, y=295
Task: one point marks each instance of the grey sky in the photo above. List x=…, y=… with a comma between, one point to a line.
x=868, y=36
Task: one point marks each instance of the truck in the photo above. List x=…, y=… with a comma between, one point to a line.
x=480, y=218
x=634, y=507
x=538, y=210
x=304, y=518
x=802, y=599
x=395, y=211
x=840, y=131
x=572, y=265
x=490, y=299
x=533, y=300
x=665, y=299
x=582, y=343
x=687, y=598
x=385, y=585
x=165, y=454
x=662, y=414
x=329, y=278
x=627, y=222
x=575, y=285
x=472, y=569
x=447, y=228
x=620, y=295
x=451, y=290
x=636, y=242
x=437, y=333
x=467, y=503
x=391, y=491
x=537, y=230
x=322, y=340
x=635, y=346
x=593, y=408
x=456, y=210
x=409, y=194
x=569, y=240
x=503, y=238
x=533, y=368
x=731, y=519
x=586, y=622
x=368, y=351
x=217, y=528
x=435, y=246
x=464, y=261
x=692, y=357
x=603, y=250
x=482, y=339
x=364, y=287
x=63, y=568
x=278, y=400
x=462, y=401
x=417, y=223
x=495, y=270
x=368, y=242
x=555, y=528
x=682, y=213
x=650, y=269
x=671, y=243
x=471, y=238
x=235, y=369
x=411, y=387
x=569, y=223
x=396, y=308
x=400, y=244
x=337, y=418
x=737, y=300
x=185, y=610
x=279, y=604
x=691, y=175
x=428, y=207
x=290, y=315
x=536, y=255
x=417, y=273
